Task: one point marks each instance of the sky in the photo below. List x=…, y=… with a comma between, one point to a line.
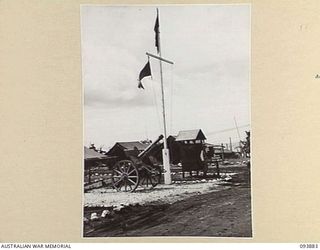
x=208, y=86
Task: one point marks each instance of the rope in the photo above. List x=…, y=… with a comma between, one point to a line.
x=155, y=103
x=150, y=67
x=171, y=95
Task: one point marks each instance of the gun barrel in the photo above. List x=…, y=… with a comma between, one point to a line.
x=145, y=152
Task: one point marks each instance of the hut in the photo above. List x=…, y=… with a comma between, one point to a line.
x=173, y=147
x=123, y=149
x=194, y=136
x=92, y=157
x=180, y=147
x=191, y=144
x=95, y=162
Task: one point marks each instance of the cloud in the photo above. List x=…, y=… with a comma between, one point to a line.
x=111, y=77
x=207, y=85
x=121, y=98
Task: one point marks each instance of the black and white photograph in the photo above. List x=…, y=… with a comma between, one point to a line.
x=167, y=125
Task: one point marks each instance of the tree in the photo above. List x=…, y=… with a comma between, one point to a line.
x=245, y=145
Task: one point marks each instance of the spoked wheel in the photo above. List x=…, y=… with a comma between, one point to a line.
x=150, y=178
x=125, y=176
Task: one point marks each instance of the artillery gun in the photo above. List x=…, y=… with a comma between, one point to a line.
x=139, y=169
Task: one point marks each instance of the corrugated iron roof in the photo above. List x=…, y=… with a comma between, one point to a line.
x=90, y=154
x=132, y=144
x=186, y=135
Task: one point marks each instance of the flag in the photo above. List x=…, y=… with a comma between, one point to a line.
x=146, y=71
x=156, y=30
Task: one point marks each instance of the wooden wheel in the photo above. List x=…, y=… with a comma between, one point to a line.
x=125, y=176
x=150, y=177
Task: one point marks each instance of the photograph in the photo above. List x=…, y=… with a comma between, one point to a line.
x=166, y=120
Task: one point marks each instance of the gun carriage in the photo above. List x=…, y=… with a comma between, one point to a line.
x=139, y=169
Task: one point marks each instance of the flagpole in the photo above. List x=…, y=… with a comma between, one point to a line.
x=165, y=151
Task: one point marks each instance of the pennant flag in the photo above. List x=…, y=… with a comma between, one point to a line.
x=156, y=30
x=146, y=71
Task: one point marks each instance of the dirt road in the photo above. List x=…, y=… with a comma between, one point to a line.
x=226, y=213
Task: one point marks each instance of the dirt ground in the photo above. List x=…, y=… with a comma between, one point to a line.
x=223, y=213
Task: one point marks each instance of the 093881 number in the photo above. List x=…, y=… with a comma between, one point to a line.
x=309, y=245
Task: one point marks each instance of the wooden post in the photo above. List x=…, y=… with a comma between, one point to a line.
x=165, y=151
x=159, y=58
x=90, y=173
x=240, y=148
x=222, y=151
x=218, y=169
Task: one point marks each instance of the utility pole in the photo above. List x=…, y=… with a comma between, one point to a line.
x=235, y=121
